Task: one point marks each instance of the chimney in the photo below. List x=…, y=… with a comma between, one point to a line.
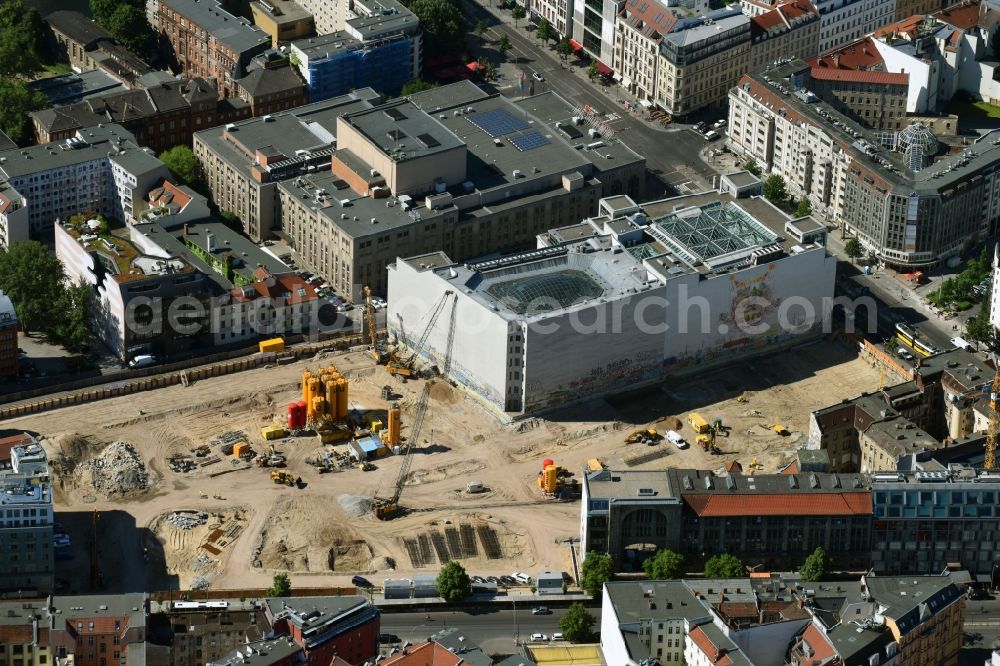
x=722, y=596
x=185, y=229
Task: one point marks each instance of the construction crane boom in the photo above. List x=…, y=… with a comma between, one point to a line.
x=374, y=349
x=993, y=431
x=388, y=507
x=404, y=366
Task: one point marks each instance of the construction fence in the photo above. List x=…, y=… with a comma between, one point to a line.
x=248, y=593
x=182, y=372
x=895, y=372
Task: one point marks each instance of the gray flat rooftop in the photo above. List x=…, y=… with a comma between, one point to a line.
x=625, y=485
x=905, y=596
x=451, y=96
x=742, y=178
x=97, y=142
x=691, y=481
x=704, y=31
x=235, y=32
x=260, y=653
x=398, y=127
x=673, y=600
x=291, y=11
x=322, y=46
x=130, y=605
x=71, y=88
x=377, y=25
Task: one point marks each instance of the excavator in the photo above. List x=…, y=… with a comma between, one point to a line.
x=403, y=366
x=375, y=348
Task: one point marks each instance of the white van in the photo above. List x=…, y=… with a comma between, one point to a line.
x=142, y=361
x=676, y=439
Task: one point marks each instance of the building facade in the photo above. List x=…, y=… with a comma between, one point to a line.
x=843, y=21
x=86, y=46
x=200, y=38
x=323, y=627
x=9, y=355
x=99, y=169
x=26, y=526
x=789, y=30
x=283, y=20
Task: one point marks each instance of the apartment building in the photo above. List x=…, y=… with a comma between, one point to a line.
x=243, y=162
x=789, y=30
x=906, y=208
x=872, y=98
x=323, y=627
x=908, y=8
x=283, y=20
x=638, y=32
x=205, y=635
x=200, y=38
x=8, y=338
x=329, y=16
x=844, y=21
x=380, y=47
x=26, y=520
x=272, y=85
x=559, y=14
x=594, y=26
x=99, y=169
x=700, y=60
x=86, y=46
x=433, y=172
x=159, y=117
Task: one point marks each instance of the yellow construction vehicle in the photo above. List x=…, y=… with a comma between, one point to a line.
x=283, y=477
x=366, y=466
x=642, y=435
x=780, y=429
x=698, y=422
x=707, y=442
x=753, y=467
x=375, y=349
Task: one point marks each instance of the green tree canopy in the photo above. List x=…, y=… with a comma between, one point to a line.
x=724, y=566
x=752, y=167
x=593, y=71
x=33, y=279
x=453, y=583
x=853, y=249
x=596, y=570
x=22, y=33
x=503, y=46
x=16, y=102
x=664, y=565
x=979, y=329
x=564, y=49
x=183, y=165
x=280, y=587
x=816, y=566
x=517, y=13
x=775, y=190
x=803, y=208
x=544, y=31
x=480, y=28
x=415, y=86
x=132, y=30
x=443, y=23
x=102, y=10
x=577, y=625
x=72, y=328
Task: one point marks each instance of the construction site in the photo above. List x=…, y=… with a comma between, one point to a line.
x=366, y=462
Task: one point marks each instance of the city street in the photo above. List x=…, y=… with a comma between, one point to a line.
x=982, y=631
x=489, y=627
x=672, y=153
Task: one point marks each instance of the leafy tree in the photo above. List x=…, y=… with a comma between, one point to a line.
x=664, y=565
x=596, y=570
x=131, y=29
x=816, y=566
x=503, y=46
x=724, y=566
x=72, y=328
x=230, y=218
x=577, y=625
x=480, y=29
x=453, y=583
x=280, y=587
x=775, y=190
x=979, y=329
x=16, y=102
x=183, y=165
x=544, y=31
x=32, y=278
x=593, y=71
x=103, y=9
x=415, y=86
x=803, y=208
x=517, y=13
x=564, y=49
x=752, y=167
x=444, y=25
x=853, y=249
x=22, y=33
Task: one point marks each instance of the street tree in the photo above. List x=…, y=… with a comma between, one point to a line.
x=752, y=167
x=724, y=566
x=775, y=190
x=593, y=71
x=577, y=625
x=816, y=566
x=853, y=249
x=517, y=13
x=281, y=586
x=664, y=565
x=564, y=49
x=596, y=570
x=979, y=329
x=453, y=583
x=75, y=308
x=503, y=46
x=32, y=278
x=544, y=31
x=480, y=29
x=183, y=165
x=443, y=23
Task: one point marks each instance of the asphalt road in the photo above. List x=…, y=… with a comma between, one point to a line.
x=671, y=153
x=489, y=628
x=982, y=631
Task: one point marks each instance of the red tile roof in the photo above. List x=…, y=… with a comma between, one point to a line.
x=908, y=26
x=163, y=190
x=704, y=643
x=7, y=444
x=790, y=468
x=711, y=505
x=861, y=54
x=784, y=16
x=962, y=16
x=286, y=285
x=860, y=76
x=424, y=654
x=649, y=17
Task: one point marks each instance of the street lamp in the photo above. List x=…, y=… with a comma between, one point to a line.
x=514, y=601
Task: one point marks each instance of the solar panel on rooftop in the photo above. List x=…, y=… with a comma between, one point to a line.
x=498, y=122
x=529, y=141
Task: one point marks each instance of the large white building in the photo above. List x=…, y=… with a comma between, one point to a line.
x=25, y=517
x=101, y=169
x=619, y=300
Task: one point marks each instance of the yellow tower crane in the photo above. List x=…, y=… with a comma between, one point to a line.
x=990, y=459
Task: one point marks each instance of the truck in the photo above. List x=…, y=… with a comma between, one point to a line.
x=142, y=361
x=676, y=439
x=961, y=343
x=698, y=423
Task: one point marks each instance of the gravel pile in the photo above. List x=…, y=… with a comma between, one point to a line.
x=116, y=471
x=187, y=520
x=356, y=505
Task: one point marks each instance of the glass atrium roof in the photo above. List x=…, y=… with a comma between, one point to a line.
x=712, y=230
x=545, y=292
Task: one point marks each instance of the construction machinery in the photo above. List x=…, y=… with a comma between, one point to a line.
x=780, y=429
x=375, y=348
x=643, y=435
x=403, y=366
x=282, y=477
x=698, y=423
x=387, y=507
x=707, y=443
x=754, y=466
x=993, y=430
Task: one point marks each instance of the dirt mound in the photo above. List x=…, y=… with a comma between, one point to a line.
x=302, y=536
x=442, y=392
x=117, y=470
x=668, y=423
x=67, y=450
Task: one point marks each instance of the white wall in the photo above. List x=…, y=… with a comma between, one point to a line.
x=764, y=644
x=612, y=643
x=922, y=93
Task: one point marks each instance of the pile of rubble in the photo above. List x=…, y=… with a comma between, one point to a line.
x=187, y=520
x=180, y=463
x=355, y=505
x=116, y=471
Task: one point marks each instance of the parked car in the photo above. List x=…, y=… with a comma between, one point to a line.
x=538, y=77
x=711, y=135
x=904, y=354
x=539, y=637
x=701, y=127
x=719, y=124
x=522, y=578
x=557, y=636
x=541, y=610
x=142, y=361
x=478, y=579
x=676, y=439
x=388, y=638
